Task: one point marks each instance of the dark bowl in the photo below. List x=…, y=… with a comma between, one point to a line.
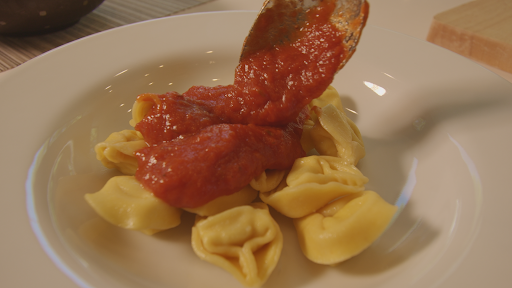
x=27, y=17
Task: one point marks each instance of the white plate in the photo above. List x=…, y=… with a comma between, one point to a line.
x=440, y=134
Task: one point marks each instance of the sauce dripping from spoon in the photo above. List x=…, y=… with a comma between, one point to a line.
x=290, y=57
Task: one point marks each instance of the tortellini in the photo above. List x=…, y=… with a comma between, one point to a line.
x=141, y=108
x=330, y=131
x=223, y=203
x=245, y=241
x=336, y=135
x=313, y=182
x=117, y=151
x=324, y=193
x=343, y=228
x=268, y=180
x=125, y=203
x=334, y=217
x=330, y=96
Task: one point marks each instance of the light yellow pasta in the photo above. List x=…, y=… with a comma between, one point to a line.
x=139, y=111
x=268, y=180
x=125, y=203
x=245, y=241
x=117, y=151
x=335, y=218
x=306, y=140
x=330, y=96
x=223, y=203
x=336, y=135
x=344, y=228
x=313, y=182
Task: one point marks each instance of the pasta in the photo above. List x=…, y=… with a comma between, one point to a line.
x=117, y=151
x=324, y=192
x=336, y=135
x=330, y=96
x=268, y=180
x=245, y=241
x=125, y=203
x=313, y=182
x=140, y=109
x=343, y=228
x=223, y=203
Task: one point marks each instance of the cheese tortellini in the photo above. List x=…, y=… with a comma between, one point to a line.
x=330, y=131
x=324, y=192
x=334, y=217
x=245, y=241
x=125, y=203
x=268, y=180
x=223, y=203
x=316, y=180
x=117, y=151
x=343, y=228
x=313, y=182
x=336, y=135
x=330, y=96
x=141, y=108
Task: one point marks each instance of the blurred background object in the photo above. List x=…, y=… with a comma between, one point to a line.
x=480, y=30
x=29, y=17
x=17, y=48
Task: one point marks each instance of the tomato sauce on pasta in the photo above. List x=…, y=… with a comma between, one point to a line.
x=211, y=141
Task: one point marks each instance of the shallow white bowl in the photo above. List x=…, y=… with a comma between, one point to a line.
x=436, y=128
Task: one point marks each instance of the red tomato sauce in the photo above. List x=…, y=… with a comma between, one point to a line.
x=173, y=116
x=212, y=141
x=219, y=160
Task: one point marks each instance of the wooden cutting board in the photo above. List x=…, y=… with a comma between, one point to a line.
x=480, y=30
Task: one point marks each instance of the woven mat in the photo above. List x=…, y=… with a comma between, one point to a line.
x=110, y=14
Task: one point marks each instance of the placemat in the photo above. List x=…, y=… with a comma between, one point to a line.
x=110, y=14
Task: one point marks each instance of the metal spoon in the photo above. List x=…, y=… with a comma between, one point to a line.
x=279, y=20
